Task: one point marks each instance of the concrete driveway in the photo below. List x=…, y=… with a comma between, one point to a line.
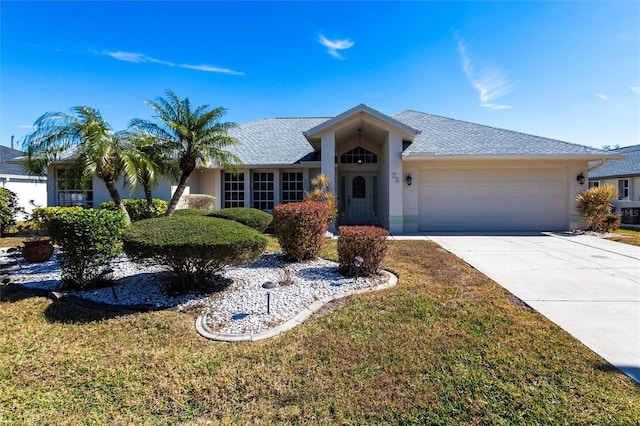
x=588, y=286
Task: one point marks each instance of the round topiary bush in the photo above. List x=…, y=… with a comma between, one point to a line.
x=193, y=247
x=253, y=218
x=368, y=242
x=300, y=228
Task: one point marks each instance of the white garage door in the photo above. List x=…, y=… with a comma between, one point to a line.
x=492, y=199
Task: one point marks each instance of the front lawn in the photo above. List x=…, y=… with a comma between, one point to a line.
x=445, y=346
x=627, y=235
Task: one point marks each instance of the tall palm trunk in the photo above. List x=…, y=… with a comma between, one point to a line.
x=149, y=198
x=182, y=184
x=115, y=196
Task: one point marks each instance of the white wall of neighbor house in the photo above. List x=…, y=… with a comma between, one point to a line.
x=30, y=191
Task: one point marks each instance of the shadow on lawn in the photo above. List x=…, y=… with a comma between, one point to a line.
x=67, y=312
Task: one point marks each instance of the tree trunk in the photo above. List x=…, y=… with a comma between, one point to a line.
x=178, y=193
x=149, y=198
x=115, y=196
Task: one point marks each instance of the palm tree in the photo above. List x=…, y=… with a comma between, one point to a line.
x=145, y=163
x=87, y=138
x=194, y=136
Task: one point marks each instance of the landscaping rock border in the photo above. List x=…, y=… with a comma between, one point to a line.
x=204, y=330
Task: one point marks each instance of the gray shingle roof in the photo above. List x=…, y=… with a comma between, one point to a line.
x=7, y=153
x=625, y=167
x=281, y=140
x=446, y=136
x=275, y=140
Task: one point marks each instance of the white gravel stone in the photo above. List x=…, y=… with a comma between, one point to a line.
x=240, y=308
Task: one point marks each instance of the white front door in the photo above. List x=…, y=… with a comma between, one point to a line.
x=359, y=203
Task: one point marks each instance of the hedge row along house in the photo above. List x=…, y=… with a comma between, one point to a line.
x=406, y=172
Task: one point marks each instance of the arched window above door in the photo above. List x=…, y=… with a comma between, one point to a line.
x=359, y=155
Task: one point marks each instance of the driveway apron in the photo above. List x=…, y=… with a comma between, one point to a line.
x=588, y=286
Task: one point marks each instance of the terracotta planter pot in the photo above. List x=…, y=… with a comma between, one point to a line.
x=37, y=251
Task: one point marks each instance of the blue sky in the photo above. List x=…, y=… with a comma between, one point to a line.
x=564, y=70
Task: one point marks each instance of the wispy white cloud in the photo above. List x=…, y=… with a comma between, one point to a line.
x=490, y=81
x=142, y=58
x=495, y=106
x=334, y=45
x=136, y=58
x=209, y=68
x=635, y=89
x=603, y=97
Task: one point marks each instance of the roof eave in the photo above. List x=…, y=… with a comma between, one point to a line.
x=430, y=156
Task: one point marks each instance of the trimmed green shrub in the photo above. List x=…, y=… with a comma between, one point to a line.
x=253, y=218
x=40, y=216
x=193, y=247
x=137, y=207
x=89, y=239
x=595, y=205
x=368, y=242
x=191, y=212
x=300, y=228
x=8, y=209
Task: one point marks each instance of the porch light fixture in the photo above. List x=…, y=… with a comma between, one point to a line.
x=580, y=178
x=360, y=161
x=409, y=179
x=269, y=285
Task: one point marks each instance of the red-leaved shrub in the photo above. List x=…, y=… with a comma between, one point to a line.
x=300, y=228
x=368, y=242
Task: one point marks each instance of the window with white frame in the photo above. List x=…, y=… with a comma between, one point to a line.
x=623, y=189
x=233, y=190
x=292, y=186
x=594, y=183
x=262, y=190
x=359, y=155
x=71, y=190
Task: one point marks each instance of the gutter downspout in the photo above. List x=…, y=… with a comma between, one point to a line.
x=597, y=166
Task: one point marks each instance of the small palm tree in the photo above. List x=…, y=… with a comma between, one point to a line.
x=194, y=136
x=145, y=163
x=86, y=137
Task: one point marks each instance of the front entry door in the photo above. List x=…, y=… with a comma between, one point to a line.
x=359, y=191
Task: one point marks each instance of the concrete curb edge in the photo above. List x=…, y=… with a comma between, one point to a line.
x=204, y=331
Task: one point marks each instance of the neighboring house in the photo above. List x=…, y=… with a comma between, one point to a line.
x=407, y=172
x=624, y=175
x=31, y=190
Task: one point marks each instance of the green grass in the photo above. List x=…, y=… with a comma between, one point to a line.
x=627, y=235
x=445, y=346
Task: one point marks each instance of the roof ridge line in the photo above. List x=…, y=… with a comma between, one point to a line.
x=507, y=130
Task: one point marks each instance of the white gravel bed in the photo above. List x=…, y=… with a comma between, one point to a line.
x=240, y=308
